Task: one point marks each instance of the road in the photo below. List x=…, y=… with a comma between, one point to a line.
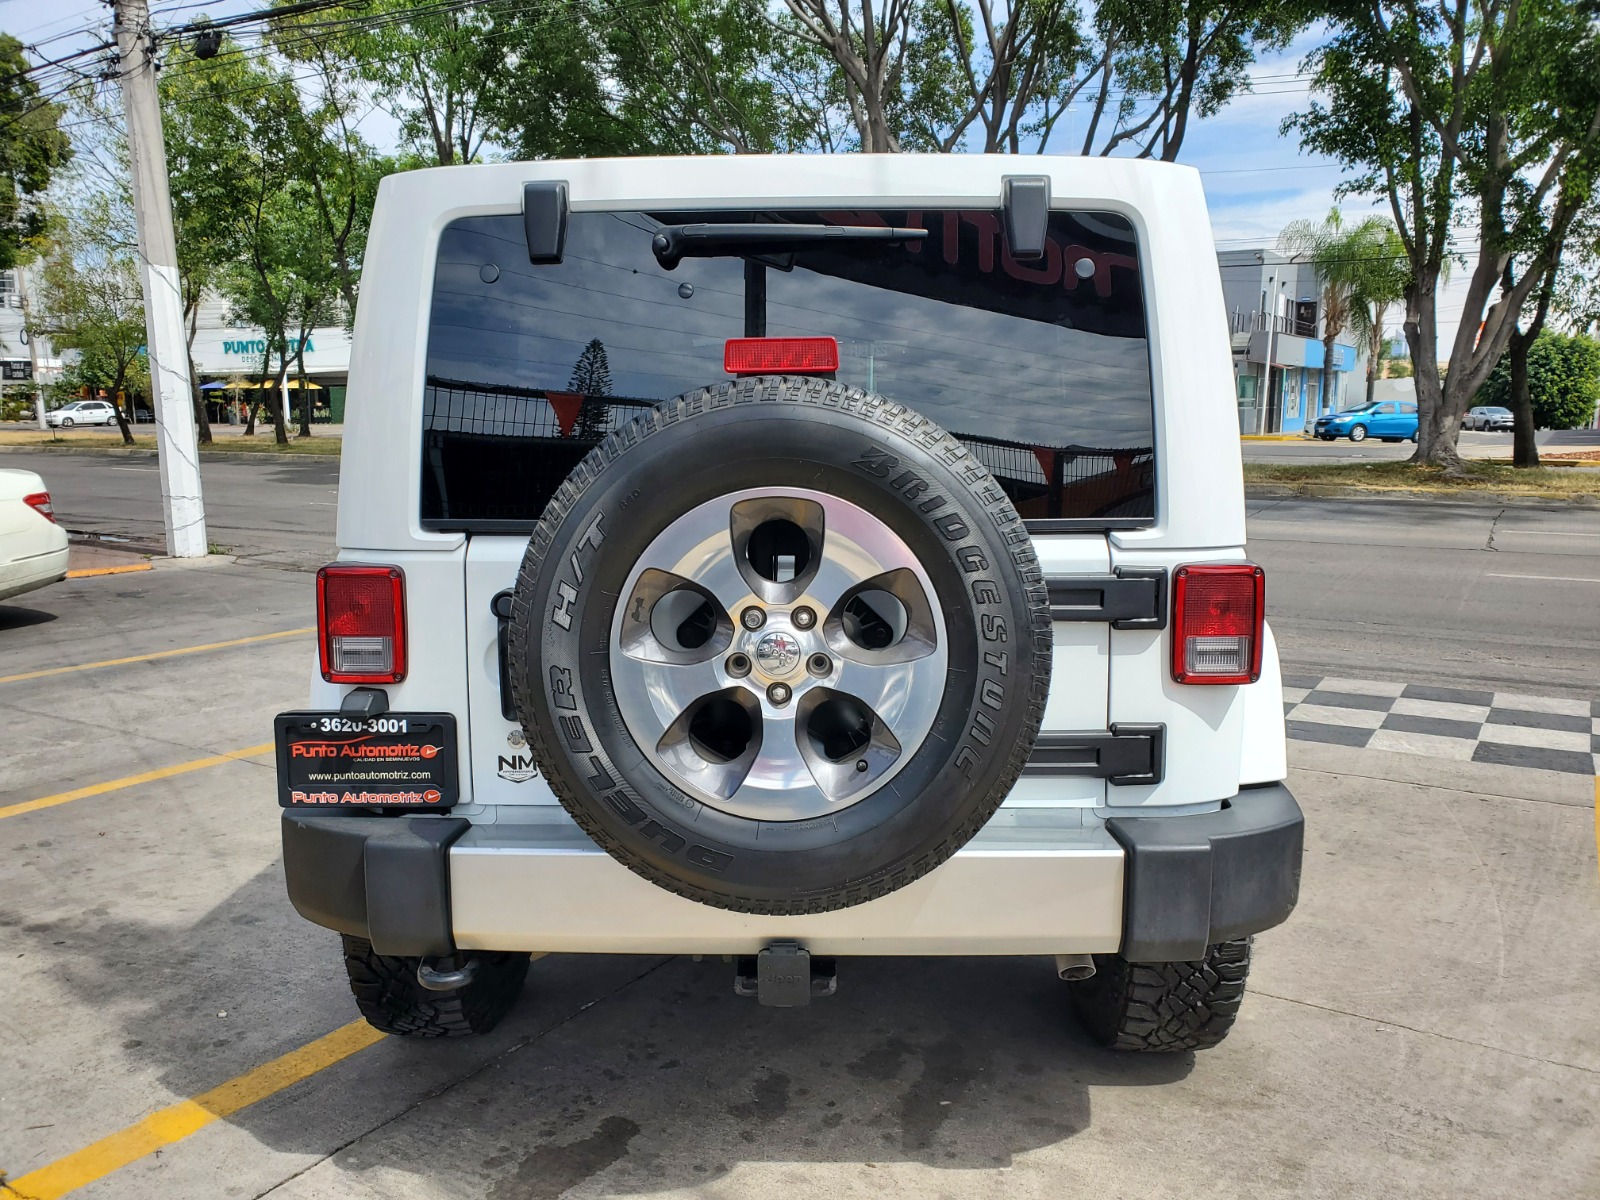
x=1382, y=589
x=1471, y=445
x=1423, y=1025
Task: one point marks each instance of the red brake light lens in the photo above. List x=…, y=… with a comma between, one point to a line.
x=1218, y=611
x=781, y=356
x=361, y=624
x=40, y=503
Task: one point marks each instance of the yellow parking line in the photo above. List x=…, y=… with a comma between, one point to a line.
x=117, y=662
x=178, y=1121
x=87, y=572
x=114, y=785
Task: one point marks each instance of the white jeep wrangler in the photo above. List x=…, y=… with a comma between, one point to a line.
x=786, y=559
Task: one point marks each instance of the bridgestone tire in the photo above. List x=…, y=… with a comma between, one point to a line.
x=1164, y=1007
x=391, y=999
x=778, y=432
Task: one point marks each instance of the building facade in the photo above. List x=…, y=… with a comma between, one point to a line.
x=1275, y=323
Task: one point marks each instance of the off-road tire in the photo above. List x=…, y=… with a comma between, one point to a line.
x=391, y=999
x=779, y=431
x=1164, y=1007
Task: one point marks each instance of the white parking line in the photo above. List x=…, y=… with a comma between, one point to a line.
x=1548, y=578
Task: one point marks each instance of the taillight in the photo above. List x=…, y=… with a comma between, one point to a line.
x=1217, y=616
x=781, y=356
x=361, y=623
x=40, y=503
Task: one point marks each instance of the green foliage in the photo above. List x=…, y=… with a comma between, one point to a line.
x=1484, y=114
x=1563, y=380
x=32, y=149
x=89, y=302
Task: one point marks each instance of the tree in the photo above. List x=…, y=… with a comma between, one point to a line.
x=1487, y=109
x=591, y=379
x=944, y=75
x=32, y=149
x=1381, y=273
x=89, y=301
x=1341, y=257
x=1563, y=379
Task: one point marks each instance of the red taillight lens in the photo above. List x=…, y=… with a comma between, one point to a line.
x=1217, y=616
x=40, y=503
x=781, y=356
x=361, y=624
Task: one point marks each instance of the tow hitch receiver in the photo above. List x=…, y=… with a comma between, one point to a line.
x=784, y=975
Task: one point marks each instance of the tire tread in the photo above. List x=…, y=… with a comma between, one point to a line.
x=1164, y=1007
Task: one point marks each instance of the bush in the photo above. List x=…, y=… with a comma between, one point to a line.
x=1563, y=380
x=18, y=404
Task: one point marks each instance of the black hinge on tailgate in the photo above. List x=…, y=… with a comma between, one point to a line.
x=1128, y=599
x=501, y=607
x=1123, y=754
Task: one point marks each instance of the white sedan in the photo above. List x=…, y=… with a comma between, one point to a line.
x=33, y=548
x=81, y=412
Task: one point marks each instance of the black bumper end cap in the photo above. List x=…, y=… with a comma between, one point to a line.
x=1195, y=880
x=386, y=879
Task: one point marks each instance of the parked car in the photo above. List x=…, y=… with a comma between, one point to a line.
x=785, y=647
x=81, y=412
x=1389, y=420
x=1488, y=417
x=33, y=548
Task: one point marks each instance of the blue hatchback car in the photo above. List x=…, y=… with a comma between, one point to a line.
x=1391, y=420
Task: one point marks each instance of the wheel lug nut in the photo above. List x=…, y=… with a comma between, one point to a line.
x=803, y=618
x=752, y=618
x=778, y=693
x=861, y=765
x=819, y=664
x=738, y=665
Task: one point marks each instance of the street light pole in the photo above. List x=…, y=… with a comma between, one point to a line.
x=165, y=346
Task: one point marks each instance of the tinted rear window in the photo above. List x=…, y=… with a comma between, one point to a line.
x=1040, y=368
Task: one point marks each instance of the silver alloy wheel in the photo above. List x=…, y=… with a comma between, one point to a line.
x=816, y=714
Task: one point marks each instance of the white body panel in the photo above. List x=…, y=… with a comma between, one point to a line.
x=33, y=549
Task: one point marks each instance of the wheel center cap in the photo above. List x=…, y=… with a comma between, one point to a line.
x=778, y=653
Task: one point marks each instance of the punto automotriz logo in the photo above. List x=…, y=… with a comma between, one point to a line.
x=519, y=768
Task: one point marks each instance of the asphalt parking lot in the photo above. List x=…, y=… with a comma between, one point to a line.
x=1423, y=1026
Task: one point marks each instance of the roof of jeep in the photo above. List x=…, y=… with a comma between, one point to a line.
x=775, y=179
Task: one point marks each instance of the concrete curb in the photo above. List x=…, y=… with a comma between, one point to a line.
x=141, y=452
x=1334, y=491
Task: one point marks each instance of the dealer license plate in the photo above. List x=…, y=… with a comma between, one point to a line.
x=399, y=760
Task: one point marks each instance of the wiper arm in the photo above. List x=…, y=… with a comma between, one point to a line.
x=674, y=243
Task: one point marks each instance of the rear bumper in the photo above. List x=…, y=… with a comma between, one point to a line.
x=1034, y=881
x=35, y=571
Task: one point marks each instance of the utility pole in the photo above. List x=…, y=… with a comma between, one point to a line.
x=165, y=345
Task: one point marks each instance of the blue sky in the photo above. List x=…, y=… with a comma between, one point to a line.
x=1257, y=180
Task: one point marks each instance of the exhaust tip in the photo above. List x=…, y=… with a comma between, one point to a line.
x=1074, y=967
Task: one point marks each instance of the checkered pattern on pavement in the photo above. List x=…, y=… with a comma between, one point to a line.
x=1463, y=724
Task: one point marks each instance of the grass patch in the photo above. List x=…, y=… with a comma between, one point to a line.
x=225, y=444
x=1404, y=477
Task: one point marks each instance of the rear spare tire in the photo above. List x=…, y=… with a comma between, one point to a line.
x=780, y=646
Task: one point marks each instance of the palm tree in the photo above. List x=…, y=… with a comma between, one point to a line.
x=1348, y=262
x=1381, y=275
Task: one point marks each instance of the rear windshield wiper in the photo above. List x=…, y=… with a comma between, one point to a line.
x=674, y=243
